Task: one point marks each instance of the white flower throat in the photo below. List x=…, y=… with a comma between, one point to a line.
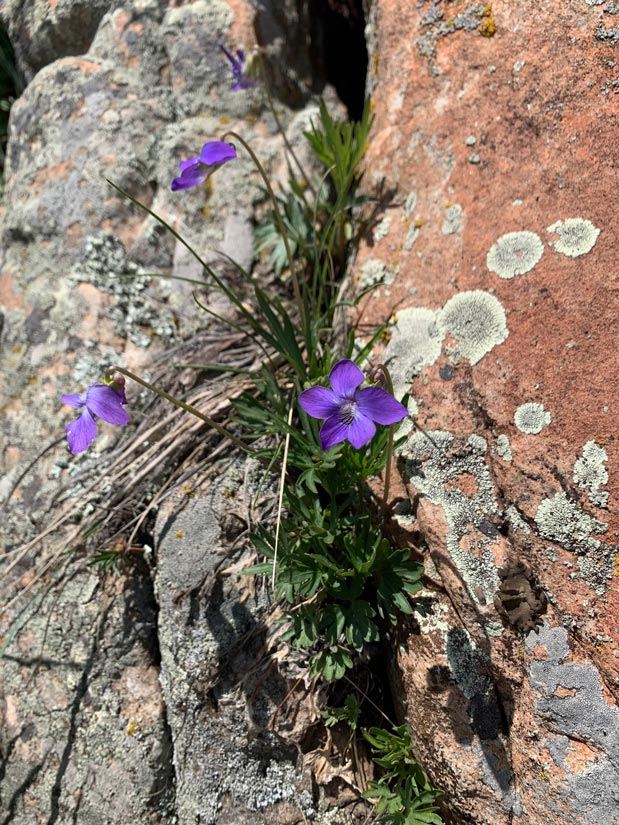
x=348, y=411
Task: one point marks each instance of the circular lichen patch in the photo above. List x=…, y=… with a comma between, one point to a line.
x=531, y=418
x=476, y=320
x=577, y=236
x=514, y=254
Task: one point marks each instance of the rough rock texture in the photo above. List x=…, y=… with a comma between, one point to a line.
x=223, y=672
x=496, y=130
x=122, y=90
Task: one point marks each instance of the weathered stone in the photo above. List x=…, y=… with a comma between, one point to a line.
x=90, y=741
x=516, y=390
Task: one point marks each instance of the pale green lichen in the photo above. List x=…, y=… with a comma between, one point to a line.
x=372, y=272
x=591, y=474
x=502, y=448
x=433, y=464
x=382, y=230
x=531, y=418
x=560, y=520
x=514, y=254
x=516, y=522
x=577, y=236
x=415, y=343
x=453, y=219
x=476, y=320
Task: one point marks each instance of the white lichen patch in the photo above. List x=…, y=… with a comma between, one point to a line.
x=434, y=467
x=560, y=520
x=514, y=254
x=577, y=236
x=516, y=522
x=382, y=230
x=476, y=320
x=503, y=448
x=373, y=272
x=591, y=474
x=531, y=418
x=453, y=219
x=415, y=343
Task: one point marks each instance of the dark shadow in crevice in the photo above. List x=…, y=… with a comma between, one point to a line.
x=308, y=45
x=338, y=51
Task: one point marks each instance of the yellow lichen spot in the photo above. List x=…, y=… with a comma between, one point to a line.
x=189, y=491
x=374, y=64
x=599, y=647
x=385, y=336
x=250, y=118
x=132, y=728
x=394, y=317
x=224, y=120
x=372, y=104
x=418, y=223
x=487, y=27
x=544, y=775
x=180, y=534
x=616, y=572
x=228, y=493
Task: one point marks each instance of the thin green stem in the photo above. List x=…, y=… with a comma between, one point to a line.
x=389, y=386
x=280, y=223
x=304, y=177
x=177, y=402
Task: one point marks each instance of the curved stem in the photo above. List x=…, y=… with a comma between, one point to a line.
x=280, y=222
x=177, y=402
x=280, y=128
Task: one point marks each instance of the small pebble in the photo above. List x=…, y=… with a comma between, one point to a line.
x=474, y=159
x=471, y=140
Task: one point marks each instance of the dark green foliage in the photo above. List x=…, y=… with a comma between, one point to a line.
x=403, y=795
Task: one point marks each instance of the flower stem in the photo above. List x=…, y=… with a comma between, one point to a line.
x=280, y=128
x=187, y=407
x=280, y=222
x=383, y=507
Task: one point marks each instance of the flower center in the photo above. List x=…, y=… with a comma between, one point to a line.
x=348, y=412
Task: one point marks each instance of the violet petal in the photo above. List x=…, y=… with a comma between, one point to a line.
x=345, y=377
x=191, y=177
x=191, y=163
x=75, y=400
x=81, y=432
x=319, y=402
x=332, y=432
x=106, y=403
x=361, y=431
x=380, y=406
x=217, y=151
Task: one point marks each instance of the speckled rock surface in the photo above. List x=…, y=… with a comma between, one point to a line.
x=85, y=734
x=496, y=129
x=222, y=670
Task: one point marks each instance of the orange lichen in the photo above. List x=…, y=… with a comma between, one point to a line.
x=179, y=534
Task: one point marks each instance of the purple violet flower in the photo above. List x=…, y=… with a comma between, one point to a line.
x=196, y=170
x=237, y=65
x=98, y=401
x=350, y=413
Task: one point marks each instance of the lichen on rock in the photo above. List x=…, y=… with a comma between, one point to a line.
x=590, y=473
x=476, y=319
x=577, y=236
x=514, y=254
x=531, y=418
x=560, y=520
x=435, y=468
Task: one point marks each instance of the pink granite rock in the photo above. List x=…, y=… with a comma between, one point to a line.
x=496, y=128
